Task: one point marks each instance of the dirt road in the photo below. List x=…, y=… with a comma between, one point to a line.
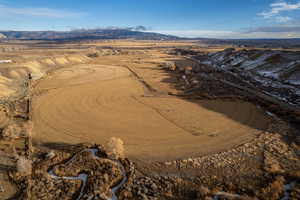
x=91, y=103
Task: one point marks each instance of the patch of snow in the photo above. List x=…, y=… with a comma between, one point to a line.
x=237, y=61
x=295, y=82
x=5, y=61
x=271, y=73
x=251, y=64
x=271, y=114
x=207, y=62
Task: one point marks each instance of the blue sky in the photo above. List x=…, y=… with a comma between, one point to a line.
x=190, y=18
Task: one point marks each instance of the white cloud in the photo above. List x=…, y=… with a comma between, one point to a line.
x=41, y=12
x=283, y=19
x=196, y=33
x=279, y=7
x=275, y=28
x=259, y=33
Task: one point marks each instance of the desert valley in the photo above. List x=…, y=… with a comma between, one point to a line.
x=148, y=119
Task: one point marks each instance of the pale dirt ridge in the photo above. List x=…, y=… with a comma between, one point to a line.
x=12, y=75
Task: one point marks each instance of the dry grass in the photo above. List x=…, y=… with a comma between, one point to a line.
x=275, y=189
x=28, y=127
x=12, y=131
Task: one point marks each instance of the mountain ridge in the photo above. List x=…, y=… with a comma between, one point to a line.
x=141, y=34
x=86, y=34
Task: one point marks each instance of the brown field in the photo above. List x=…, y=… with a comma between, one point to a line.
x=103, y=98
x=87, y=92
x=86, y=99
x=95, y=102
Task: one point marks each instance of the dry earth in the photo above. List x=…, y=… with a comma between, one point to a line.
x=183, y=146
x=93, y=102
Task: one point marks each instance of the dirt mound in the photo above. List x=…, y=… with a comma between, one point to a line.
x=13, y=75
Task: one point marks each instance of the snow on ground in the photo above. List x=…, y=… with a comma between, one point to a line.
x=275, y=70
x=5, y=61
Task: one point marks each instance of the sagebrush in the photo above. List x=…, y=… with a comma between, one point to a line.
x=115, y=148
x=24, y=166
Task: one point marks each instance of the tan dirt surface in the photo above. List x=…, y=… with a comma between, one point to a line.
x=91, y=103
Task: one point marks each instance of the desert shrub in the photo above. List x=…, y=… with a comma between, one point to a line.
x=50, y=154
x=93, y=55
x=115, y=148
x=24, y=166
x=274, y=190
x=12, y=131
x=28, y=127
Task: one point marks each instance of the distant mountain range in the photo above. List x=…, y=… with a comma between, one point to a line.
x=139, y=34
x=86, y=34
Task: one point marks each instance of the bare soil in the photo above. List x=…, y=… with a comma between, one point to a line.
x=93, y=102
x=185, y=138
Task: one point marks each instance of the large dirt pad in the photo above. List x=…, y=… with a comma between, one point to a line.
x=91, y=103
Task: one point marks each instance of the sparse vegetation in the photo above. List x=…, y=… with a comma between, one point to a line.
x=93, y=55
x=28, y=128
x=24, y=166
x=50, y=154
x=11, y=131
x=275, y=189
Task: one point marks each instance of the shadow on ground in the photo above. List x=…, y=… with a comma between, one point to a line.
x=60, y=146
x=228, y=101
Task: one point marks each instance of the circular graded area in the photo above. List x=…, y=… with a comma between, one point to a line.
x=80, y=106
